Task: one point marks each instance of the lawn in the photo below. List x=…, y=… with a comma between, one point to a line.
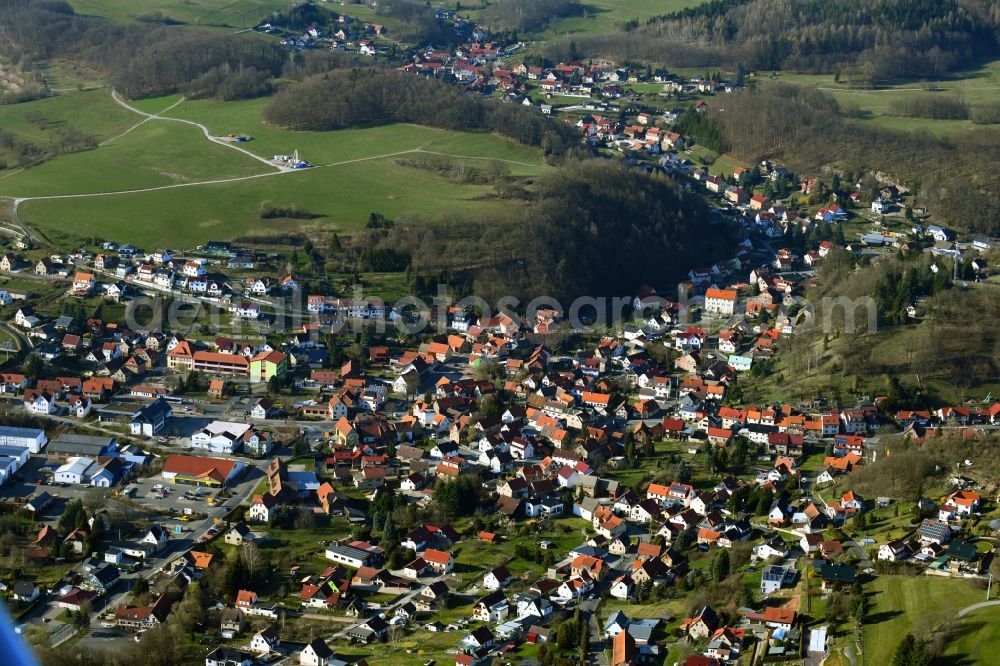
x=974, y=638
x=886, y=523
x=719, y=165
x=152, y=155
x=910, y=604
x=674, y=608
x=473, y=558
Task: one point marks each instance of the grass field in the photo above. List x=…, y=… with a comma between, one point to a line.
x=608, y=15
x=975, y=639
x=152, y=155
x=358, y=173
x=69, y=76
x=225, y=13
x=91, y=112
x=183, y=217
x=981, y=84
x=223, y=118
x=719, y=165
x=904, y=604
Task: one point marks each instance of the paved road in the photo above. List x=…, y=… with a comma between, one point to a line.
x=595, y=648
x=23, y=341
x=974, y=607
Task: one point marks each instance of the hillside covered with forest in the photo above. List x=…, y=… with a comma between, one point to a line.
x=870, y=40
x=806, y=129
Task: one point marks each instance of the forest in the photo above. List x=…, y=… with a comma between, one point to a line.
x=950, y=340
x=143, y=59
x=866, y=41
x=805, y=129
x=527, y=15
x=592, y=228
x=366, y=97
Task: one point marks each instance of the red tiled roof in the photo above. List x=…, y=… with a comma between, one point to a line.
x=216, y=468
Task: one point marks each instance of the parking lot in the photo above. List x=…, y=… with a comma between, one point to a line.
x=23, y=484
x=176, y=500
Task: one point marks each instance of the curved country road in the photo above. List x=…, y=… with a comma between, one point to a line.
x=974, y=607
x=208, y=135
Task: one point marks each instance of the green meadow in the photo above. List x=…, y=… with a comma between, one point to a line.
x=357, y=171
x=223, y=118
x=974, y=639
x=224, y=13
x=608, y=15
x=154, y=154
x=981, y=84
x=602, y=15
x=898, y=605
x=92, y=112
x=342, y=196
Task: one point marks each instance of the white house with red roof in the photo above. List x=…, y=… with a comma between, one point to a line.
x=720, y=301
x=965, y=502
x=441, y=561
x=263, y=508
x=83, y=283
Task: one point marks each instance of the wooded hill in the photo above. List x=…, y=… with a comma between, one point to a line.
x=373, y=96
x=870, y=40
x=947, y=352
x=592, y=228
x=143, y=59
x=804, y=129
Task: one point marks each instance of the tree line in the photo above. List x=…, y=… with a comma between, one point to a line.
x=938, y=107
x=371, y=96
x=870, y=41
x=143, y=59
x=527, y=15
x=929, y=106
